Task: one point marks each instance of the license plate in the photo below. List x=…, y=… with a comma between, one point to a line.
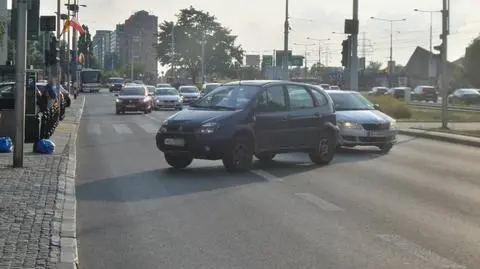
x=378, y=134
x=130, y=106
x=178, y=142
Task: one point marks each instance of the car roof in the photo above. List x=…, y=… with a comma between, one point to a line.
x=266, y=82
x=188, y=86
x=340, y=91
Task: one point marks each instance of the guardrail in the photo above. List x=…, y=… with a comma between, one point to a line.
x=450, y=108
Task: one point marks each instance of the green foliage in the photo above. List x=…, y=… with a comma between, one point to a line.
x=472, y=63
x=392, y=107
x=373, y=67
x=85, y=46
x=191, y=28
x=35, y=56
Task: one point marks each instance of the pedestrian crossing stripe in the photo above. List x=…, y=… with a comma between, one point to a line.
x=121, y=128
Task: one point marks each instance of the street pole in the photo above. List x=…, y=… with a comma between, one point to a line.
x=444, y=49
x=59, y=66
x=285, y=44
x=319, y=53
x=173, y=52
x=430, y=64
x=74, y=48
x=131, y=60
x=69, y=76
x=354, y=59
x=20, y=66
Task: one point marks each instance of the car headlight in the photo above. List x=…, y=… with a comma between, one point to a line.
x=118, y=100
x=208, y=128
x=393, y=125
x=349, y=125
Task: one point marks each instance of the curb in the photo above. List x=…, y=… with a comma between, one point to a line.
x=457, y=139
x=68, y=229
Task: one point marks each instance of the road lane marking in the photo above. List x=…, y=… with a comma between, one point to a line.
x=94, y=129
x=419, y=252
x=319, y=202
x=265, y=175
x=149, y=127
x=122, y=129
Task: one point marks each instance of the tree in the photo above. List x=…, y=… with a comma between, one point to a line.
x=85, y=46
x=472, y=63
x=373, y=67
x=192, y=27
x=35, y=56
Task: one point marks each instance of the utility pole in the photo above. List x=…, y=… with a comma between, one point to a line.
x=69, y=75
x=59, y=66
x=74, y=48
x=286, y=76
x=20, y=66
x=354, y=59
x=364, y=45
x=305, y=57
x=444, y=50
x=173, y=52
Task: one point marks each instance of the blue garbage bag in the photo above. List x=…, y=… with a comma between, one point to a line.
x=45, y=146
x=6, y=145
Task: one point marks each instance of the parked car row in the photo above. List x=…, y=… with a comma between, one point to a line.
x=239, y=120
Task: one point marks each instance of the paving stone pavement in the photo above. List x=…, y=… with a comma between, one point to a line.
x=38, y=200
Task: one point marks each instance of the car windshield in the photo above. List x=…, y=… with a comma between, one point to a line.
x=151, y=89
x=115, y=80
x=188, y=89
x=132, y=91
x=166, y=91
x=350, y=101
x=229, y=97
x=163, y=85
x=469, y=91
x=210, y=87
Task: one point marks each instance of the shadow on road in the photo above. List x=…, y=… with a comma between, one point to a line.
x=162, y=183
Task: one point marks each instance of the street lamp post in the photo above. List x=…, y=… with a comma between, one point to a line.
x=285, y=44
x=173, y=52
x=430, y=65
x=390, y=67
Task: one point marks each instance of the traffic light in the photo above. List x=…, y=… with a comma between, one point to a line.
x=52, y=56
x=345, y=52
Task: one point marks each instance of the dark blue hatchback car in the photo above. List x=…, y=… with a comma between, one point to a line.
x=239, y=120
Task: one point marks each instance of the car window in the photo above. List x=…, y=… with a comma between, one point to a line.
x=276, y=98
x=299, y=97
x=132, y=91
x=228, y=97
x=321, y=99
x=188, y=89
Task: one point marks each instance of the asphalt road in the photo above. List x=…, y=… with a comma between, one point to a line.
x=417, y=207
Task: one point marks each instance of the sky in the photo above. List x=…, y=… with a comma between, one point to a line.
x=259, y=24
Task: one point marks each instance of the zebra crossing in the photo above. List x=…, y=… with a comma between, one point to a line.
x=121, y=128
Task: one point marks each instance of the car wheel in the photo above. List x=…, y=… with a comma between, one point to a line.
x=239, y=157
x=385, y=148
x=178, y=161
x=265, y=156
x=325, y=149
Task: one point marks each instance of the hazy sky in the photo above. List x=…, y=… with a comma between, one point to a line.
x=259, y=23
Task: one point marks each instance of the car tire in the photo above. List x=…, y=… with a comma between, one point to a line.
x=325, y=150
x=239, y=157
x=385, y=148
x=180, y=161
x=265, y=156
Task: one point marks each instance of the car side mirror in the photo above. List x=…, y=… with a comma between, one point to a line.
x=376, y=106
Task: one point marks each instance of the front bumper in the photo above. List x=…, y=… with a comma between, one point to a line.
x=168, y=104
x=366, y=138
x=200, y=146
x=132, y=107
x=115, y=88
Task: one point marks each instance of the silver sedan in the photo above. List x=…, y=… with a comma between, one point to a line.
x=168, y=97
x=360, y=123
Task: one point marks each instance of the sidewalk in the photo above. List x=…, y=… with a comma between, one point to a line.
x=424, y=130
x=37, y=202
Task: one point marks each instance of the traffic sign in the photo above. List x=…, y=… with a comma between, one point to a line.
x=267, y=60
x=296, y=60
x=279, y=57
